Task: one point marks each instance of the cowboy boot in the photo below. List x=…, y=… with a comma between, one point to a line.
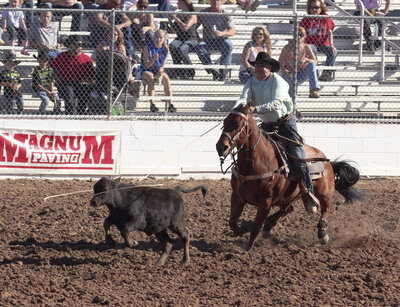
x=311, y=203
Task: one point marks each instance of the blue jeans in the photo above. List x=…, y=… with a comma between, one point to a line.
x=180, y=51
x=223, y=45
x=11, y=101
x=28, y=15
x=367, y=30
x=77, y=18
x=289, y=130
x=330, y=56
x=70, y=92
x=128, y=41
x=46, y=100
x=308, y=73
x=244, y=75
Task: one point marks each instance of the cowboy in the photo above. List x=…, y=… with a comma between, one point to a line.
x=74, y=73
x=10, y=79
x=268, y=95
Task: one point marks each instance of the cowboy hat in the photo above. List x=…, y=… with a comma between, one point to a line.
x=264, y=58
x=73, y=39
x=42, y=56
x=11, y=57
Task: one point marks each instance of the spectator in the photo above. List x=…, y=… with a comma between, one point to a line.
x=306, y=65
x=77, y=17
x=43, y=84
x=28, y=15
x=10, y=79
x=74, y=72
x=13, y=22
x=320, y=35
x=142, y=25
x=90, y=5
x=118, y=44
x=216, y=33
x=371, y=8
x=186, y=38
x=155, y=56
x=122, y=22
x=43, y=35
x=260, y=41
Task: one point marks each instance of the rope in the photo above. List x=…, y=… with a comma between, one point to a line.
x=87, y=191
x=178, y=152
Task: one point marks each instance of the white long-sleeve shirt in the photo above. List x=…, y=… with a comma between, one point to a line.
x=270, y=97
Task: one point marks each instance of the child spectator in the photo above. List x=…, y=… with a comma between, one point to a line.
x=13, y=22
x=10, y=79
x=152, y=68
x=43, y=84
x=44, y=35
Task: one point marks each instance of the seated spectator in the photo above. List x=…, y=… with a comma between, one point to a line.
x=186, y=38
x=260, y=41
x=43, y=84
x=74, y=72
x=77, y=17
x=10, y=79
x=216, y=33
x=118, y=44
x=90, y=5
x=102, y=22
x=306, y=65
x=152, y=68
x=320, y=35
x=142, y=25
x=371, y=8
x=13, y=22
x=133, y=87
x=28, y=15
x=43, y=35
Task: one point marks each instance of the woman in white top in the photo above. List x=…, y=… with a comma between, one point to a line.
x=260, y=41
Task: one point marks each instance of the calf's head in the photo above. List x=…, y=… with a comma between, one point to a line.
x=103, y=191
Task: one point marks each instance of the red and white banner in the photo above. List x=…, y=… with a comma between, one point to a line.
x=59, y=152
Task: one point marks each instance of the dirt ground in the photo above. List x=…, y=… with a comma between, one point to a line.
x=53, y=253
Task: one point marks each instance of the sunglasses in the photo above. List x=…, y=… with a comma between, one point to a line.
x=301, y=35
x=142, y=7
x=115, y=2
x=259, y=34
x=264, y=65
x=315, y=7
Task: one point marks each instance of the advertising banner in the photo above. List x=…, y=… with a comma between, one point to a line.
x=35, y=152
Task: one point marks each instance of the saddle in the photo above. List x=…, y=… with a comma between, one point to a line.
x=285, y=160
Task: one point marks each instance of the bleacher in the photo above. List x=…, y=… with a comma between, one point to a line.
x=357, y=90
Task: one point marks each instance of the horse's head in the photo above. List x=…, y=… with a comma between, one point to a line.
x=235, y=130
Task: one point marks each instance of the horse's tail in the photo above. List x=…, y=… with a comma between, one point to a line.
x=346, y=176
x=203, y=188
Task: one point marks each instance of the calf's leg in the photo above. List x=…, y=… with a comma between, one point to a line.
x=164, y=239
x=184, y=235
x=108, y=222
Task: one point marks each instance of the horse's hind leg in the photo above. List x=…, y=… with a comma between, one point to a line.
x=236, y=210
x=271, y=220
x=326, y=203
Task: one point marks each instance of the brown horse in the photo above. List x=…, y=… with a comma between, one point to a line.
x=259, y=180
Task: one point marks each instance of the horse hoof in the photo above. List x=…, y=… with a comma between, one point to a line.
x=324, y=240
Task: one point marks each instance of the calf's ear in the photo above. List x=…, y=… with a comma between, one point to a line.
x=117, y=181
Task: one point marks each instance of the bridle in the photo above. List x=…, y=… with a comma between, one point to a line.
x=232, y=140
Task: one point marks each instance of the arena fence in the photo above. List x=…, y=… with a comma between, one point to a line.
x=204, y=81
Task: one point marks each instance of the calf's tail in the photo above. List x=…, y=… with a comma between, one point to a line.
x=346, y=176
x=203, y=188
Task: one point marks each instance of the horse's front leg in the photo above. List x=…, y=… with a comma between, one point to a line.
x=271, y=220
x=236, y=210
x=262, y=213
